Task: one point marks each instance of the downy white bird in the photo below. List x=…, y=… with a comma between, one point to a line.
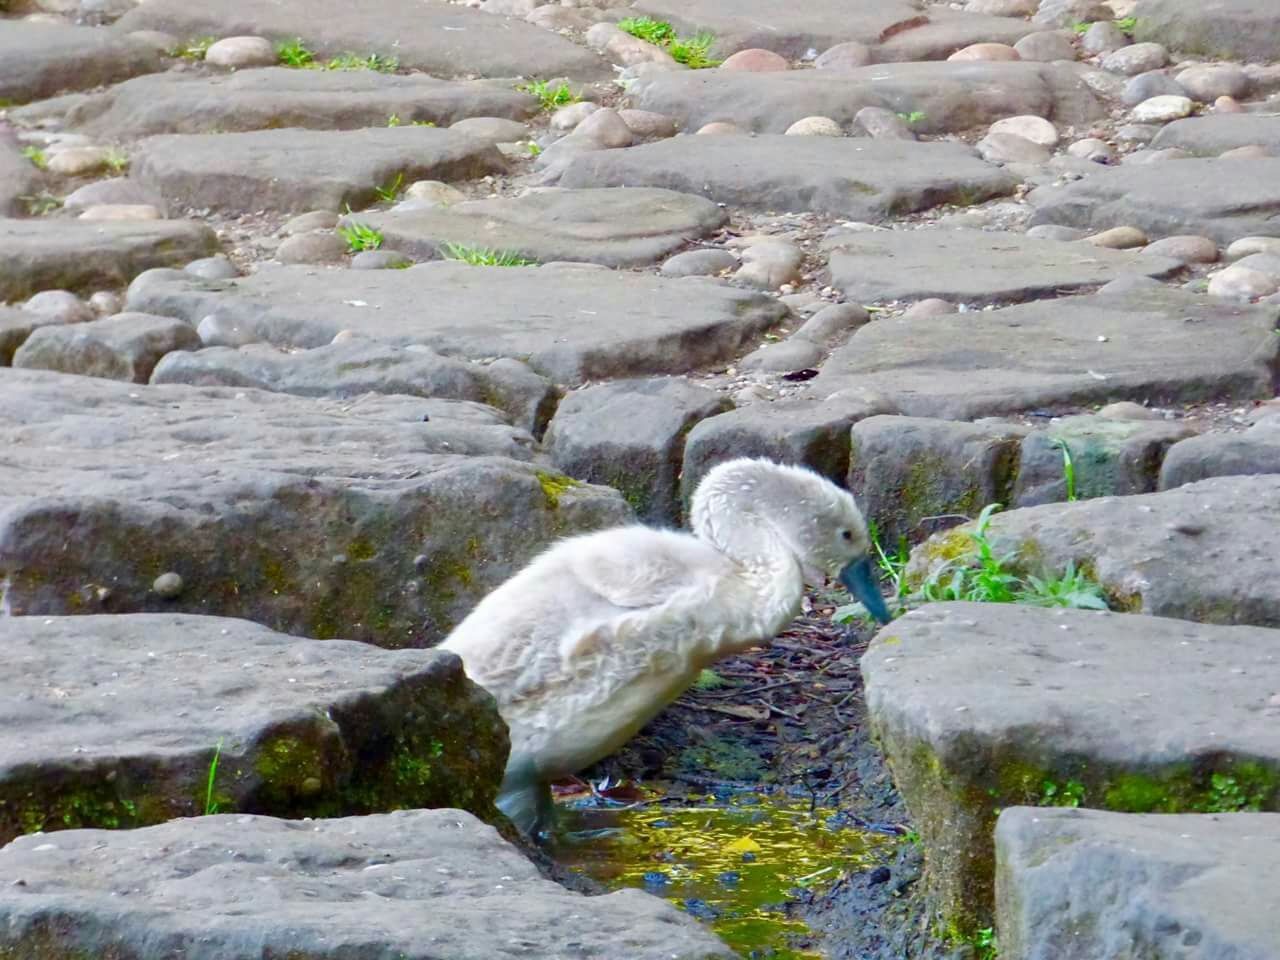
x=587, y=643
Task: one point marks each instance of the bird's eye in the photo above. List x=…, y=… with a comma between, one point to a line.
x=846, y=534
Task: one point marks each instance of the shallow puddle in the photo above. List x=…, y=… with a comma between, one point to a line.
x=734, y=861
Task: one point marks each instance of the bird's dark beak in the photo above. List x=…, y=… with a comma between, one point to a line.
x=860, y=581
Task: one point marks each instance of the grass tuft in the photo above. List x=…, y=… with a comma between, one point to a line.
x=294, y=53
x=691, y=51
x=391, y=191
x=36, y=156
x=194, y=49
x=116, y=160
x=41, y=204
x=483, y=256
x=374, y=61
x=360, y=236
x=657, y=32
x=210, y=804
x=551, y=98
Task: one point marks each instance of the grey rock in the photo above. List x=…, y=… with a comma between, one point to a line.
x=59, y=306
x=979, y=706
x=380, y=260
x=616, y=227
x=947, y=31
x=860, y=179
x=1146, y=345
x=1208, y=82
x=441, y=40
x=1256, y=451
x=1136, y=58
x=19, y=178
x=114, y=190
x=882, y=124
x=913, y=475
x=792, y=354
x=790, y=31
x=1010, y=148
x=416, y=883
x=126, y=346
x=322, y=246
x=212, y=268
x=15, y=327
x=648, y=125
x=249, y=496
x=809, y=432
x=951, y=96
x=302, y=170
x=1154, y=83
x=42, y=59
x=492, y=129
x=241, y=52
x=1216, y=133
x=699, y=263
x=347, y=370
x=974, y=266
x=1103, y=37
x=307, y=222
x=1129, y=283
x=219, y=331
x=1197, y=552
x=572, y=324
x=1046, y=45
x=1190, y=882
x=929, y=307
x=770, y=263
x=48, y=254
x=1067, y=13
x=1229, y=30
x=277, y=97
x=630, y=435
x=1223, y=203
x=1136, y=132
x=1109, y=458
x=832, y=321
x=1185, y=249
x=848, y=55
x=306, y=728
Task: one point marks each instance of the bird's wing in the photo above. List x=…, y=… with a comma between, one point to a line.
x=638, y=567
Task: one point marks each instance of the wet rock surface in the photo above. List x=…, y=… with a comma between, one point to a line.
x=1124, y=712
x=113, y=721
x=1189, y=882
x=423, y=883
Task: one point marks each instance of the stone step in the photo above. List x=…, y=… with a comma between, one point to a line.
x=979, y=707
x=323, y=518
x=1084, y=884
x=114, y=721
x=42, y=59
x=1204, y=551
x=415, y=884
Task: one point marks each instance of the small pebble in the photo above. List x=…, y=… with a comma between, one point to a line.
x=756, y=61
x=1162, y=109
x=1119, y=238
x=815, y=127
x=167, y=585
x=985, y=52
x=235, y=52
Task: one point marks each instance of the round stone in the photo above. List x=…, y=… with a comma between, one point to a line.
x=492, y=129
x=1252, y=151
x=755, y=60
x=985, y=51
x=844, y=56
x=59, y=306
x=1147, y=85
x=1045, y=46
x=1036, y=129
x=235, y=52
x=833, y=320
x=216, y=330
x=699, y=263
x=323, y=246
x=1102, y=37
x=1210, y=81
x=1227, y=105
x=929, y=307
x=212, y=268
x=815, y=127
x=1188, y=248
x=1119, y=238
x=1010, y=148
x=434, y=192
x=606, y=128
x=121, y=211
x=105, y=303
x=1099, y=151
x=647, y=125
x=1247, y=246
x=1162, y=109
x=77, y=161
x=1127, y=410
x=790, y=354
x=566, y=118
x=167, y=585
x=720, y=128
x=1002, y=8
x=1238, y=282
x=1136, y=58
x=769, y=264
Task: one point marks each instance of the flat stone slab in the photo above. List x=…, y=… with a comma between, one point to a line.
x=1220, y=199
x=417, y=884
x=354, y=367
x=41, y=59
x=572, y=324
x=616, y=227
x=1227, y=30
x=44, y=254
x=278, y=97
x=1203, y=551
x=319, y=518
x=302, y=170
x=1215, y=133
x=789, y=30
x=948, y=31
x=112, y=721
x=947, y=97
x=441, y=39
x=1191, y=883
x=126, y=346
x=985, y=706
x=1161, y=345
x=1255, y=451
x=975, y=266
x=862, y=179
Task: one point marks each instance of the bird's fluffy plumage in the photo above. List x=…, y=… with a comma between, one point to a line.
x=600, y=632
